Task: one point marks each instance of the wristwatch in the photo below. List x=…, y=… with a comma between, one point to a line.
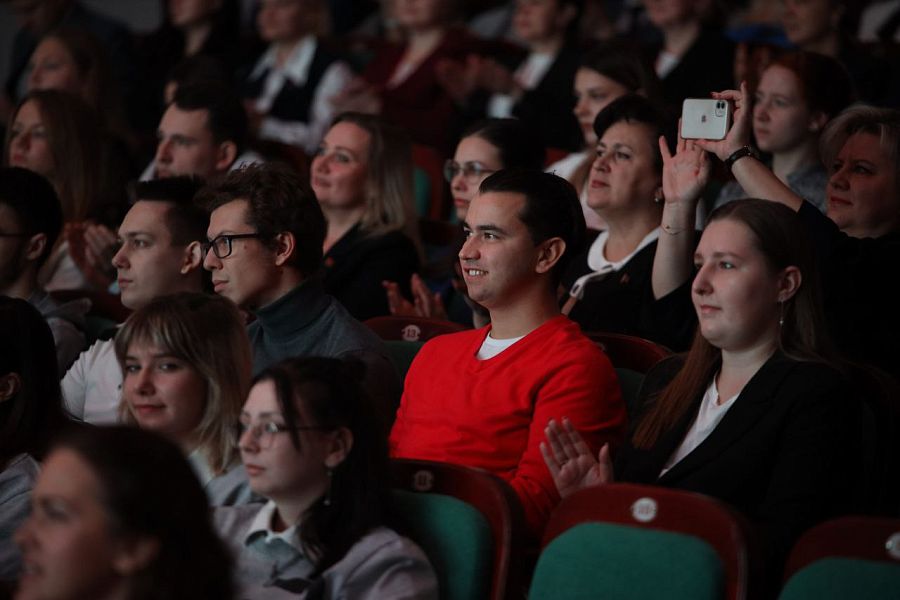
x=739, y=154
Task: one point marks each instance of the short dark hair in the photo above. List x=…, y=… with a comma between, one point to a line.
x=552, y=209
x=331, y=393
x=279, y=200
x=35, y=203
x=634, y=108
x=140, y=473
x=618, y=60
x=513, y=139
x=227, y=120
x=186, y=219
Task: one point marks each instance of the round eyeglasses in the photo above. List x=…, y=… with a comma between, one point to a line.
x=470, y=170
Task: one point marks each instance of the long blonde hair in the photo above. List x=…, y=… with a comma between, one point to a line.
x=389, y=178
x=208, y=333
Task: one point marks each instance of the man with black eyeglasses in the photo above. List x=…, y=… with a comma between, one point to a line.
x=158, y=254
x=264, y=251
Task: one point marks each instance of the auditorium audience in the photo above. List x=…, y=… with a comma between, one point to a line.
x=535, y=86
x=486, y=147
x=481, y=398
x=401, y=81
x=288, y=93
x=796, y=97
x=265, y=234
x=751, y=413
x=74, y=61
x=858, y=242
x=692, y=59
x=57, y=135
x=362, y=176
x=30, y=416
x=609, y=285
x=159, y=253
x=607, y=72
x=185, y=363
x=313, y=448
x=30, y=222
x=763, y=412
x=115, y=513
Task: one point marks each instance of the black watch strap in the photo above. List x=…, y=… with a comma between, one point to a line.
x=738, y=155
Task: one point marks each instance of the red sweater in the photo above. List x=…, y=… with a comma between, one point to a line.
x=491, y=413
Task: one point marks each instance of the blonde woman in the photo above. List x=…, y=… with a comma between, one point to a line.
x=186, y=371
x=362, y=178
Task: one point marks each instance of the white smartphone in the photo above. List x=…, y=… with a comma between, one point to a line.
x=705, y=118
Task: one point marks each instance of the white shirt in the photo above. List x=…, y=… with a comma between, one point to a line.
x=296, y=70
x=708, y=418
x=92, y=387
x=491, y=347
x=528, y=75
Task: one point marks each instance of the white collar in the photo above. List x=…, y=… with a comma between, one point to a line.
x=600, y=266
x=296, y=67
x=262, y=524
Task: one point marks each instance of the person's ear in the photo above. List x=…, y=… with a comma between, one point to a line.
x=285, y=246
x=339, y=447
x=35, y=247
x=192, y=258
x=226, y=154
x=10, y=384
x=549, y=253
x=789, y=283
x=134, y=554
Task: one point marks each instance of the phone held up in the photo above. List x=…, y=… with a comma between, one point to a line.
x=705, y=118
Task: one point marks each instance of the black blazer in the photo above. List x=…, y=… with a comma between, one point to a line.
x=786, y=454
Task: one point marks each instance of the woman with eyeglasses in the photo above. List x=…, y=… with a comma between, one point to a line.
x=312, y=445
x=186, y=368
x=486, y=146
x=362, y=175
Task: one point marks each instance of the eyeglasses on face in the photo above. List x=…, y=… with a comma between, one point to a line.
x=470, y=170
x=222, y=245
x=264, y=433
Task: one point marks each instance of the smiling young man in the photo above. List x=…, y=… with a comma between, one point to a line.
x=159, y=255
x=265, y=234
x=500, y=385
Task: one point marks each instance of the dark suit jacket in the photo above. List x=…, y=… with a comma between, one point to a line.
x=786, y=454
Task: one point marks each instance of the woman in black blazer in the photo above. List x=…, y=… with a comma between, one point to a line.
x=754, y=414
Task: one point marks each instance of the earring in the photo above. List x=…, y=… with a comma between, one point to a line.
x=658, y=197
x=327, y=501
x=781, y=317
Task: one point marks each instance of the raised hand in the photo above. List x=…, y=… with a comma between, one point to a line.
x=739, y=134
x=570, y=461
x=685, y=174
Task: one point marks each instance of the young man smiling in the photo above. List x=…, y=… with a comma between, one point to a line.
x=482, y=398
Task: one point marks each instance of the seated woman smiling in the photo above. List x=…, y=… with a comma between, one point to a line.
x=312, y=445
x=186, y=368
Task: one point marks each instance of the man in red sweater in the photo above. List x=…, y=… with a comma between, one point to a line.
x=482, y=398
